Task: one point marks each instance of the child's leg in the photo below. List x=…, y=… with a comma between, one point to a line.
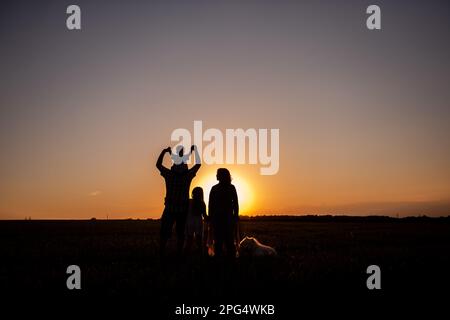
x=189, y=241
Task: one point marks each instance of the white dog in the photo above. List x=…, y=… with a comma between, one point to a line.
x=249, y=246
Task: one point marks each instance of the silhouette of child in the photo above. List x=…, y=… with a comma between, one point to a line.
x=179, y=159
x=194, y=223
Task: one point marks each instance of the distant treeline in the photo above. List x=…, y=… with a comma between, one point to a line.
x=293, y=218
x=327, y=218
x=343, y=218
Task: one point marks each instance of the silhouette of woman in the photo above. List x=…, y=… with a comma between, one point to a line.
x=223, y=210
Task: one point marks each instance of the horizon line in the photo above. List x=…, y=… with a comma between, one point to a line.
x=279, y=216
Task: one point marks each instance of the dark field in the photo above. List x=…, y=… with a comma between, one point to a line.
x=317, y=260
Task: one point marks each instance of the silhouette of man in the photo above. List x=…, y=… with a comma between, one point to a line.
x=223, y=208
x=176, y=203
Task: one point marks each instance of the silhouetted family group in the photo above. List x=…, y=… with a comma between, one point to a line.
x=189, y=215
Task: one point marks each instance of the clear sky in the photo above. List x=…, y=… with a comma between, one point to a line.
x=363, y=115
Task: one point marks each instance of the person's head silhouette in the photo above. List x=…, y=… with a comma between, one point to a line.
x=223, y=175
x=197, y=194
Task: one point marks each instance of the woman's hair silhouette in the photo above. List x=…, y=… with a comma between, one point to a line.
x=224, y=176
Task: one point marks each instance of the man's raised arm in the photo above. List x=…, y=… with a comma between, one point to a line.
x=198, y=161
x=159, y=162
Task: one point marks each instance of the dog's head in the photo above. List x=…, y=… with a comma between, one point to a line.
x=247, y=244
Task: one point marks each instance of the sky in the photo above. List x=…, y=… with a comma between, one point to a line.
x=363, y=115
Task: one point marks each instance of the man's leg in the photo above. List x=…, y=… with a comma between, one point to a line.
x=189, y=242
x=181, y=225
x=166, y=230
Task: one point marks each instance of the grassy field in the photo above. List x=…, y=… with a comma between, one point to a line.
x=316, y=260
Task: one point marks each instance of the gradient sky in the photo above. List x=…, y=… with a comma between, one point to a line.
x=363, y=115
